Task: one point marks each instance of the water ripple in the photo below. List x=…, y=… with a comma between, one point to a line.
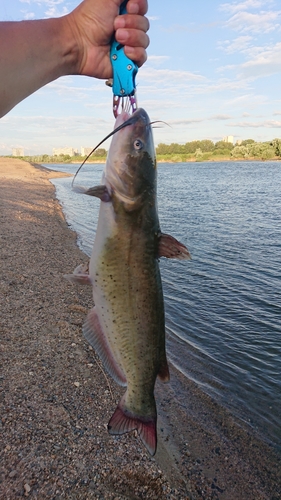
x=223, y=309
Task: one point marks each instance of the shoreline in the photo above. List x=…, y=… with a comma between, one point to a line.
x=234, y=160
x=57, y=401
x=216, y=160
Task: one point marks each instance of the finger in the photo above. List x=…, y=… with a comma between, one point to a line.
x=136, y=54
x=132, y=38
x=137, y=7
x=131, y=22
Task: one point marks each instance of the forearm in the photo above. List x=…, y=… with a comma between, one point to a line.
x=33, y=55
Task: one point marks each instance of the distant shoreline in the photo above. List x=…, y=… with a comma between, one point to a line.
x=190, y=160
x=232, y=160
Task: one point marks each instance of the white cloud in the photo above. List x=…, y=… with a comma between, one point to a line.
x=51, y=131
x=67, y=90
x=190, y=27
x=153, y=18
x=28, y=15
x=157, y=59
x=248, y=4
x=169, y=77
x=54, y=8
x=263, y=22
x=4, y=147
x=226, y=85
x=246, y=102
x=239, y=44
x=220, y=117
x=48, y=3
x=55, y=12
x=185, y=122
x=260, y=62
x=264, y=124
x=267, y=61
x=191, y=121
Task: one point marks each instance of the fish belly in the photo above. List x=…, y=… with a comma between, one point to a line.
x=128, y=297
x=129, y=310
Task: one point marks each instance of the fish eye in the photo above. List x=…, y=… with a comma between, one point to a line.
x=138, y=144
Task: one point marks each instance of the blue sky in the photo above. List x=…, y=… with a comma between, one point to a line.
x=213, y=70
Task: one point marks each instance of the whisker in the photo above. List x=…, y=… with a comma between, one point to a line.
x=160, y=121
x=131, y=120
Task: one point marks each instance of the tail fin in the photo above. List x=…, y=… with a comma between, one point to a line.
x=123, y=421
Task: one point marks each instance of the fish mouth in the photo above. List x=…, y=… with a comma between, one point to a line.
x=125, y=120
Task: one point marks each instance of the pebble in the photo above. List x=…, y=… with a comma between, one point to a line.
x=27, y=489
x=46, y=445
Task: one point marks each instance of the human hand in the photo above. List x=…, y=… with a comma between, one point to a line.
x=93, y=24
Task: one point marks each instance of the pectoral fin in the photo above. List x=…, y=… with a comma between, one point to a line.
x=171, y=248
x=100, y=192
x=79, y=279
x=95, y=335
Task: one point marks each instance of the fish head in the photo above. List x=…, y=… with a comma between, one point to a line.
x=130, y=172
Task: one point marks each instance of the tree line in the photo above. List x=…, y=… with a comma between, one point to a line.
x=207, y=149
x=203, y=150
x=206, y=146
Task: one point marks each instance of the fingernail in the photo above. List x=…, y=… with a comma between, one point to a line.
x=122, y=35
x=119, y=22
x=133, y=8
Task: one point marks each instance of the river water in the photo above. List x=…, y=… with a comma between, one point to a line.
x=223, y=309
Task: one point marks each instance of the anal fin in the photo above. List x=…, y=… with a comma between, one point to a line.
x=164, y=373
x=95, y=335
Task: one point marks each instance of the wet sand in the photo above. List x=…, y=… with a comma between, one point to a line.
x=56, y=400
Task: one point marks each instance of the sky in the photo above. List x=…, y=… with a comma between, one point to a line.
x=213, y=70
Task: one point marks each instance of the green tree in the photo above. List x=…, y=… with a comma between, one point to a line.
x=224, y=145
x=247, y=141
x=240, y=152
x=100, y=152
x=276, y=144
x=207, y=146
x=198, y=154
x=221, y=151
x=162, y=149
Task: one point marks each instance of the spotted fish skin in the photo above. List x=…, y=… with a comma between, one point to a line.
x=127, y=326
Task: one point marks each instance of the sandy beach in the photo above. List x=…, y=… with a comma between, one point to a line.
x=56, y=400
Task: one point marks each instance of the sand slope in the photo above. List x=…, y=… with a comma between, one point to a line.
x=55, y=399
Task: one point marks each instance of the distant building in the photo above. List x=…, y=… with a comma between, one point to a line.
x=18, y=152
x=65, y=151
x=239, y=142
x=86, y=151
x=228, y=138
